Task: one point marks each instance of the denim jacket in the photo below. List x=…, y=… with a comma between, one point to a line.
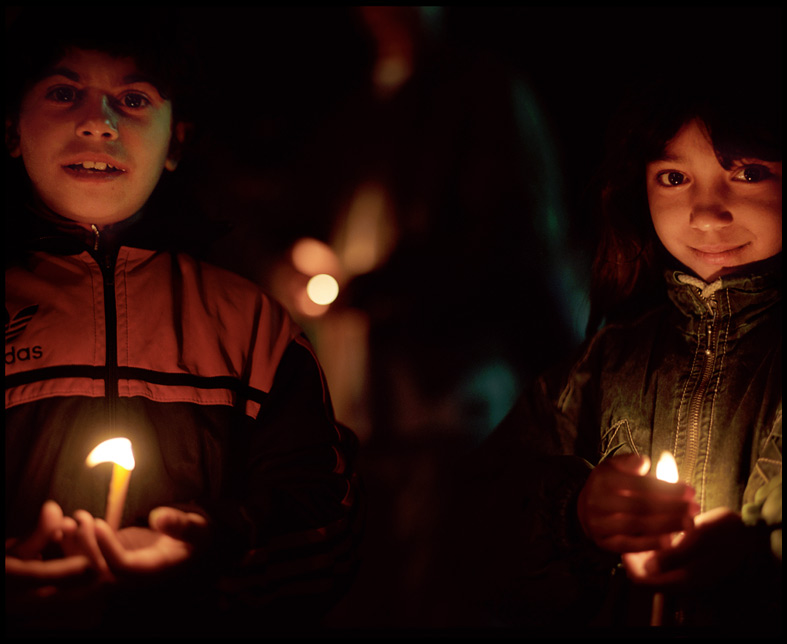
x=699, y=377
x=701, y=380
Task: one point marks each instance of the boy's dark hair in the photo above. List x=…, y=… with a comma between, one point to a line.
x=743, y=118
x=39, y=36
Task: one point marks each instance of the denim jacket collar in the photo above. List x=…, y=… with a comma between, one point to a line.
x=743, y=298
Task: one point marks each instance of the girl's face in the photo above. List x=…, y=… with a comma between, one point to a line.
x=94, y=135
x=710, y=219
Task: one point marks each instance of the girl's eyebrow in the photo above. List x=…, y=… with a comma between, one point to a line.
x=667, y=157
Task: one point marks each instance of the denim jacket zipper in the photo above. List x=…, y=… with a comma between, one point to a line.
x=697, y=399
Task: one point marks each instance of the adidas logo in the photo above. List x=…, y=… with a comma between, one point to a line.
x=13, y=329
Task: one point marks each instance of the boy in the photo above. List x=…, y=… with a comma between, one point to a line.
x=243, y=500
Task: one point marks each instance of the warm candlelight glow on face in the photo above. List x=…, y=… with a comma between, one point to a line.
x=667, y=468
x=114, y=450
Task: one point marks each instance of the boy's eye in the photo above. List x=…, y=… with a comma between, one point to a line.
x=671, y=178
x=62, y=94
x=134, y=100
x=751, y=173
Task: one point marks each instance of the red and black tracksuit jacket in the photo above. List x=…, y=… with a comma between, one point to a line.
x=222, y=397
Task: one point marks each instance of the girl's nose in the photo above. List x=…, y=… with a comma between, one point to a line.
x=710, y=212
x=98, y=120
x=709, y=219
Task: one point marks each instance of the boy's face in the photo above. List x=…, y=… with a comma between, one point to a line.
x=711, y=219
x=94, y=135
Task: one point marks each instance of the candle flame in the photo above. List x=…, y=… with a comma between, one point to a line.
x=667, y=468
x=114, y=450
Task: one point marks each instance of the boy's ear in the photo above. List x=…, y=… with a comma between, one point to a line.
x=179, y=134
x=12, y=138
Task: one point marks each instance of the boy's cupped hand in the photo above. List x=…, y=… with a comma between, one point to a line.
x=172, y=539
x=51, y=572
x=64, y=555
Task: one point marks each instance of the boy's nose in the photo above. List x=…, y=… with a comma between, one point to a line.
x=98, y=120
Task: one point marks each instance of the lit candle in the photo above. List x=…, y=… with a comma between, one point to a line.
x=666, y=470
x=116, y=451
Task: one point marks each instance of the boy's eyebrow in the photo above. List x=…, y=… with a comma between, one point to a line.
x=139, y=78
x=69, y=73
x=61, y=71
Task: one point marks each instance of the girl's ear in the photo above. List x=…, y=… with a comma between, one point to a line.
x=12, y=138
x=179, y=134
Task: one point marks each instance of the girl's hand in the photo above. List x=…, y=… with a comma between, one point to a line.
x=712, y=550
x=622, y=510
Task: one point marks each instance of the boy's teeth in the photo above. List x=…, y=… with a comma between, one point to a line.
x=96, y=165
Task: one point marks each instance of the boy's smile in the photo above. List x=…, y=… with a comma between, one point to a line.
x=94, y=135
x=713, y=219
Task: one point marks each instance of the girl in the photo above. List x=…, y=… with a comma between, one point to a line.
x=686, y=292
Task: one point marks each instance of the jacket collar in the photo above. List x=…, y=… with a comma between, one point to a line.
x=53, y=233
x=745, y=295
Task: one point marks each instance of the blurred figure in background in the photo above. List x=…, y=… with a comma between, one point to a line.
x=436, y=187
x=430, y=174
x=423, y=179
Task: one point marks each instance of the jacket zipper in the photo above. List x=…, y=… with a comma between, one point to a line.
x=695, y=405
x=106, y=258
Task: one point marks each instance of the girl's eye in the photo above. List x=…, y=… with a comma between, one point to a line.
x=751, y=173
x=671, y=178
x=63, y=94
x=134, y=100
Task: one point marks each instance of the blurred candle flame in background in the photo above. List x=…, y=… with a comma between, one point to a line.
x=322, y=289
x=311, y=256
